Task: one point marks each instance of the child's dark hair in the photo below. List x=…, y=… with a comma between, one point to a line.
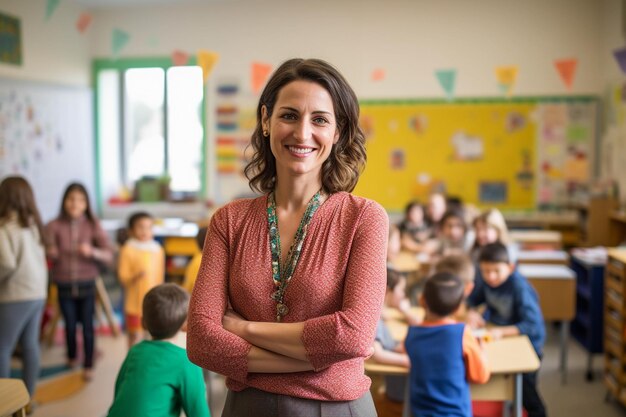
x=443, y=293
x=393, y=278
x=201, y=236
x=17, y=197
x=453, y=213
x=165, y=310
x=460, y=265
x=135, y=217
x=414, y=203
x=494, y=253
x=77, y=187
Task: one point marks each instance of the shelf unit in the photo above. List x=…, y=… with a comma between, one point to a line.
x=615, y=325
x=588, y=324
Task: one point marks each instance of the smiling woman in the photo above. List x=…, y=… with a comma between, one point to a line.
x=291, y=283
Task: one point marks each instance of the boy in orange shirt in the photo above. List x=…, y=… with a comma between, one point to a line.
x=141, y=267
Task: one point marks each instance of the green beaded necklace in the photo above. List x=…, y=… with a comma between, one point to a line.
x=282, y=280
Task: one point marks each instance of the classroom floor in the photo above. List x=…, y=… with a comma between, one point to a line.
x=577, y=398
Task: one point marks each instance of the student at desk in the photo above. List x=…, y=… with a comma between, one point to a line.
x=444, y=354
x=512, y=304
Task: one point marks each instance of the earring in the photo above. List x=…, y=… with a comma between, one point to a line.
x=265, y=133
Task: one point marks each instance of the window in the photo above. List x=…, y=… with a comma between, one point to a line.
x=150, y=124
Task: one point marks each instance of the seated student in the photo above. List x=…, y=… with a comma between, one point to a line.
x=387, y=350
x=452, y=238
x=413, y=229
x=156, y=378
x=513, y=306
x=141, y=267
x=490, y=227
x=461, y=266
x=191, y=272
x=444, y=354
x=435, y=209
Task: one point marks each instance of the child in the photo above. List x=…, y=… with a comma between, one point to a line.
x=23, y=278
x=141, y=267
x=443, y=353
x=156, y=378
x=512, y=305
x=191, y=272
x=77, y=246
x=452, y=238
x=490, y=227
x=413, y=229
x=386, y=349
x=462, y=267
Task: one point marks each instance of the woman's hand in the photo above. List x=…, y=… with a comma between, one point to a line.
x=234, y=323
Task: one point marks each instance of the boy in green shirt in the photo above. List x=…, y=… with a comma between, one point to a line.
x=156, y=378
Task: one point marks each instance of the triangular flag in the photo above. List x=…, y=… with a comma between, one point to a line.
x=119, y=39
x=567, y=70
x=378, y=74
x=180, y=57
x=206, y=61
x=447, y=79
x=506, y=76
x=620, y=56
x=51, y=6
x=83, y=22
x=260, y=74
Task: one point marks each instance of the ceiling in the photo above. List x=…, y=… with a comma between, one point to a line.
x=112, y=4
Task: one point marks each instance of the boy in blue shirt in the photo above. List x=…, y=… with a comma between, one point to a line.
x=157, y=379
x=444, y=355
x=512, y=305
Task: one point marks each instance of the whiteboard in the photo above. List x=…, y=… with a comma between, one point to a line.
x=46, y=135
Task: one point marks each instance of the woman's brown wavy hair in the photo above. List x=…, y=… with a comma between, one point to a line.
x=341, y=171
x=17, y=198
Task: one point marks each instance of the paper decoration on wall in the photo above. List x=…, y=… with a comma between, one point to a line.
x=397, y=159
x=119, y=39
x=418, y=123
x=467, y=148
x=567, y=70
x=576, y=168
x=367, y=126
x=83, y=22
x=492, y=192
x=507, y=77
x=620, y=57
x=51, y=6
x=526, y=175
x=180, y=57
x=514, y=122
x=447, y=80
x=260, y=74
x=206, y=61
x=10, y=40
x=378, y=74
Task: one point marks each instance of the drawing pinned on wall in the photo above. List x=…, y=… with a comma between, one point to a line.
x=567, y=70
x=10, y=40
x=378, y=74
x=179, y=58
x=514, y=122
x=466, y=147
x=576, y=168
x=119, y=39
x=553, y=120
x=620, y=57
x=83, y=22
x=207, y=60
x=51, y=6
x=397, y=159
x=526, y=175
x=447, y=81
x=260, y=72
x=418, y=123
x=492, y=192
x=506, y=77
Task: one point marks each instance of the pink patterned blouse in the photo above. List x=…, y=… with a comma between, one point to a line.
x=337, y=289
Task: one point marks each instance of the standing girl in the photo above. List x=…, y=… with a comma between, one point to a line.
x=75, y=244
x=23, y=278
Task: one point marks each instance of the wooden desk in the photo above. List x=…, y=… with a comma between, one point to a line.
x=405, y=262
x=567, y=222
x=13, y=397
x=556, y=288
x=508, y=359
x=617, y=228
x=551, y=257
x=544, y=239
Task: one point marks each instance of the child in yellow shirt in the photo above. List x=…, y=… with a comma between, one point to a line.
x=191, y=272
x=141, y=267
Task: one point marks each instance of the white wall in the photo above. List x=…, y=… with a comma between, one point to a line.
x=613, y=37
x=409, y=38
x=52, y=51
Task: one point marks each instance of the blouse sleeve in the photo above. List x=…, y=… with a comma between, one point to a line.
x=102, y=250
x=208, y=344
x=349, y=333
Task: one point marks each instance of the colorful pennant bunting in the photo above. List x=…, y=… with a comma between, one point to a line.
x=447, y=80
x=260, y=74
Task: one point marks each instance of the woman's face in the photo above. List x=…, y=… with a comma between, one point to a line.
x=485, y=233
x=75, y=204
x=302, y=129
x=453, y=229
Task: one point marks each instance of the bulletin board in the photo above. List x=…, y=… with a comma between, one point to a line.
x=483, y=151
x=46, y=135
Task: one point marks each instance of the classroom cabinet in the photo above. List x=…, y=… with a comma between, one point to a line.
x=615, y=325
x=588, y=324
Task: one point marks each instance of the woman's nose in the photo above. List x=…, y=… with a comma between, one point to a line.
x=303, y=130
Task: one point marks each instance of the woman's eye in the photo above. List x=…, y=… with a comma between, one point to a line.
x=320, y=120
x=288, y=116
